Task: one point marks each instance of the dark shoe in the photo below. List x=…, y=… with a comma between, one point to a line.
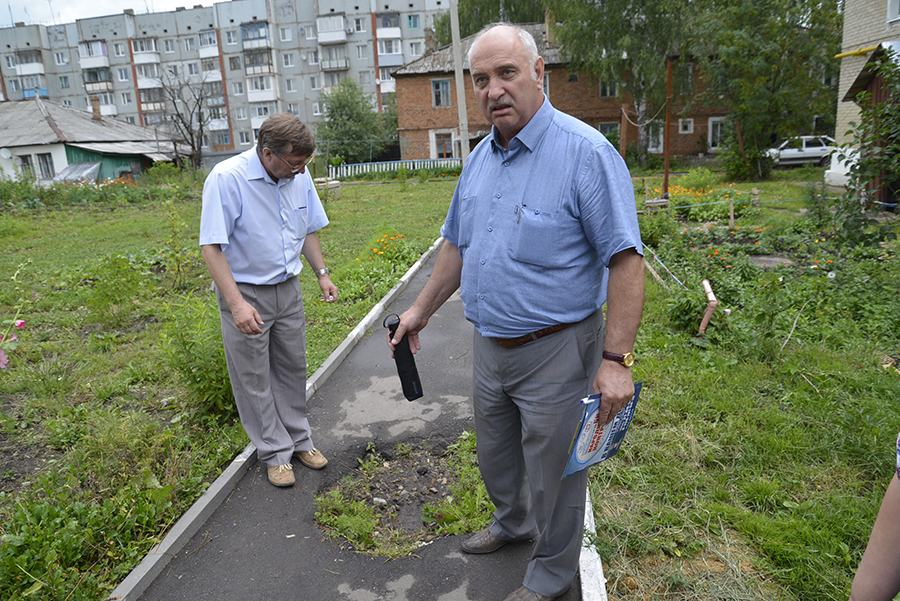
x=483, y=542
x=281, y=475
x=526, y=594
x=312, y=459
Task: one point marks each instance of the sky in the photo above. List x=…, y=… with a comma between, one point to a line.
x=49, y=12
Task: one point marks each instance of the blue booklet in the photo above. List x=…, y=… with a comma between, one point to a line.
x=594, y=443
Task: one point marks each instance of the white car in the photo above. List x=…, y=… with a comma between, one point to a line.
x=803, y=149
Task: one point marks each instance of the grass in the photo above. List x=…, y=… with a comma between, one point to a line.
x=754, y=468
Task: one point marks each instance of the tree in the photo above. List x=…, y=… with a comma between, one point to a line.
x=352, y=127
x=475, y=14
x=624, y=43
x=767, y=61
x=189, y=106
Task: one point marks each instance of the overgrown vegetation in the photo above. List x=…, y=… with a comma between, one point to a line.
x=763, y=447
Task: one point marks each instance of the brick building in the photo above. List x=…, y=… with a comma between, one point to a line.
x=428, y=117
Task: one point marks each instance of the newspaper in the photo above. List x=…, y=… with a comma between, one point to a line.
x=594, y=443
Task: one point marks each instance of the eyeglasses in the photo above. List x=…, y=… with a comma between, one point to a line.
x=295, y=170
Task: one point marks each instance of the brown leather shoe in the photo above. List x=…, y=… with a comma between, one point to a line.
x=483, y=542
x=281, y=475
x=526, y=594
x=312, y=459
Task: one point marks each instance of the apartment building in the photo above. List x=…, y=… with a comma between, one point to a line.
x=247, y=58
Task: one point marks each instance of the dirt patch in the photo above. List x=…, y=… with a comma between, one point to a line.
x=20, y=460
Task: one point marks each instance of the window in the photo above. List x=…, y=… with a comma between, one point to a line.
x=607, y=89
x=169, y=45
x=221, y=138
x=45, y=162
x=240, y=113
x=294, y=108
x=389, y=19
x=31, y=82
x=261, y=110
x=258, y=58
x=244, y=137
x=204, y=142
x=106, y=99
x=313, y=57
x=231, y=37
x=192, y=68
x=62, y=58
x=716, y=132
x=415, y=48
x=64, y=81
x=172, y=70
x=142, y=45
x=93, y=48
x=67, y=103
x=314, y=83
x=389, y=47
x=96, y=75
x=656, y=133
x=573, y=77
x=310, y=33
x=359, y=24
x=126, y=98
x=365, y=77
x=333, y=79
x=213, y=88
x=260, y=83
x=440, y=93
x=412, y=22
x=685, y=126
x=546, y=86
x=362, y=51
x=216, y=112
x=288, y=59
x=237, y=88
x=234, y=63
x=285, y=34
x=25, y=164
x=609, y=129
x=154, y=118
x=317, y=110
x=148, y=95
x=209, y=64
x=289, y=85
x=130, y=119
x=148, y=70
x=11, y=61
x=444, y=145
x=330, y=23
x=208, y=38
x=123, y=74
x=119, y=49
x=384, y=74
x=190, y=43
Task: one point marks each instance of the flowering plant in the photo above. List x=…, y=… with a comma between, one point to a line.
x=8, y=340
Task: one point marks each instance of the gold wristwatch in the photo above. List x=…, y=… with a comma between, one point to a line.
x=627, y=359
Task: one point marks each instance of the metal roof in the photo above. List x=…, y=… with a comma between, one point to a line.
x=148, y=149
x=37, y=122
x=865, y=76
x=441, y=60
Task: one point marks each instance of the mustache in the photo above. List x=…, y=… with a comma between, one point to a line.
x=500, y=102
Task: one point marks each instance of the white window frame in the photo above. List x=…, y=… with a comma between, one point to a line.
x=415, y=49
x=62, y=58
x=313, y=57
x=310, y=33
x=362, y=51
x=715, y=123
x=64, y=82
x=395, y=46
x=317, y=108
x=607, y=88
x=444, y=92
x=285, y=34
x=118, y=49
x=190, y=44
x=231, y=37
x=287, y=59
x=685, y=126
x=169, y=46
x=123, y=71
x=294, y=108
x=126, y=98
x=385, y=71
x=193, y=69
x=237, y=88
x=240, y=113
x=314, y=83
x=432, y=141
x=245, y=138
x=359, y=25
x=208, y=38
x=289, y=85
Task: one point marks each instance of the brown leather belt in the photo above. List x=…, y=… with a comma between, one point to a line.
x=523, y=340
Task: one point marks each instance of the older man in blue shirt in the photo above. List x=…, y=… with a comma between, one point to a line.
x=260, y=213
x=542, y=230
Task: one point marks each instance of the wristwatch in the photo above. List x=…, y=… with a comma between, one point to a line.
x=323, y=271
x=627, y=359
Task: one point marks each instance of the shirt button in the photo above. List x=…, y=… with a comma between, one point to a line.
x=506, y=163
x=481, y=296
x=498, y=195
x=537, y=211
x=490, y=229
x=482, y=261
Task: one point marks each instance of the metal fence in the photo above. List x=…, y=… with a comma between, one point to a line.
x=342, y=171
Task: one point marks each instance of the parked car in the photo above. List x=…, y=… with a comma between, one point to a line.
x=803, y=149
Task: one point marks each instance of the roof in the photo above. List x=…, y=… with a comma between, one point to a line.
x=441, y=60
x=148, y=149
x=37, y=122
x=867, y=74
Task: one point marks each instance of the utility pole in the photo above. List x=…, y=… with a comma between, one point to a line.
x=460, y=83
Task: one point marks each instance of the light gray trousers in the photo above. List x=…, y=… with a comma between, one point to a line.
x=268, y=370
x=527, y=406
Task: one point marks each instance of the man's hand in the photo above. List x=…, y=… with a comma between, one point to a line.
x=411, y=322
x=615, y=384
x=246, y=318
x=329, y=290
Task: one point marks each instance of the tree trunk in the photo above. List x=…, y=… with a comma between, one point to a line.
x=740, y=139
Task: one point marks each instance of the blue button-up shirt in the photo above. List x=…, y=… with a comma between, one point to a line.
x=259, y=223
x=536, y=225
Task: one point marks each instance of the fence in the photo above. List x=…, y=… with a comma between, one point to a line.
x=342, y=171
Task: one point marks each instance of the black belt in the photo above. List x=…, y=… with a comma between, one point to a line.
x=523, y=340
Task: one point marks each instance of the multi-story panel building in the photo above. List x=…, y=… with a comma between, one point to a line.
x=248, y=59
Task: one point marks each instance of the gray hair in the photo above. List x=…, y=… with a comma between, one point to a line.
x=525, y=38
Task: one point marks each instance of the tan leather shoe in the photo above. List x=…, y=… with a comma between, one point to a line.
x=526, y=594
x=482, y=542
x=312, y=459
x=281, y=475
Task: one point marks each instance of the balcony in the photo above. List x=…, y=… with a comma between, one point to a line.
x=390, y=60
x=30, y=69
x=94, y=62
x=259, y=69
x=215, y=101
x=144, y=83
x=108, y=110
x=153, y=107
x=256, y=43
x=338, y=64
x=387, y=86
x=332, y=37
x=210, y=51
x=98, y=86
x=261, y=95
x=33, y=92
x=217, y=124
x=144, y=58
x=384, y=33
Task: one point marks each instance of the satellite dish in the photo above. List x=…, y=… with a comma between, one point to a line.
x=5, y=153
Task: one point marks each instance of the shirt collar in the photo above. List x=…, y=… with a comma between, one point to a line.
x=533, y=131
x=255, y=169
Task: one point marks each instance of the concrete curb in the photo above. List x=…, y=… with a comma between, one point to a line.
x=593, y=586
x=134, y=585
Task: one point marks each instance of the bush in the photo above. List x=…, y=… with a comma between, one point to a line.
x=192, y=344
x=736, y=169
x=699, y=178
x=116, y=281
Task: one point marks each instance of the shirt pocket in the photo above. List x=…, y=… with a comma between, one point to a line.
x=535, y=238
x=301, y=217
x=466, y=221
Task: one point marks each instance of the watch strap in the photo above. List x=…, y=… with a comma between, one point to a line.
x=323, y=271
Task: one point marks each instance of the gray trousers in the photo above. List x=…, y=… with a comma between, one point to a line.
x=268, y=370
x=527, y=406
